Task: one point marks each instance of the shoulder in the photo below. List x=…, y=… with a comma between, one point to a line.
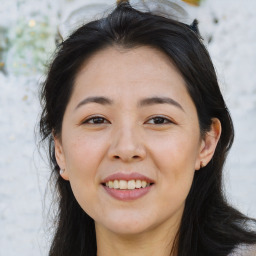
x=244, y=250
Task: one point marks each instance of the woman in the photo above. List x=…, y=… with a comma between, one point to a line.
x=138, y=134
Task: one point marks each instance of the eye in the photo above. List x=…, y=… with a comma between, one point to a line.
x=96, y=120
x=159, y=120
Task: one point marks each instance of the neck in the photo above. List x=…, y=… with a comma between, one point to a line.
x=158, y=241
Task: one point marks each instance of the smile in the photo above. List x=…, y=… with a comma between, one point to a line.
x=130, y=184
x=127, y=186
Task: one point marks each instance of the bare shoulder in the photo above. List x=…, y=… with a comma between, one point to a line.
x=244, y=250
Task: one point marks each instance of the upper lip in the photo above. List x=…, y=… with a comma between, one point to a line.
x=127, y=176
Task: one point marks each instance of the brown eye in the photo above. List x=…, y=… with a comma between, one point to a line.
x=159, y=120
x=95, y=120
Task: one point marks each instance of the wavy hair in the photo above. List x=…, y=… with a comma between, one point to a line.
x=209, y=226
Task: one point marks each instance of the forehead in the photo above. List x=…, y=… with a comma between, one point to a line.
x=129, y=74
x=135, y=63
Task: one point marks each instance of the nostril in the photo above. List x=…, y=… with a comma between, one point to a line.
x=126, y=157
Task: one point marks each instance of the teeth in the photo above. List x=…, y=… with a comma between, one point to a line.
x=143, y=183
x=123, y=184
x=131, y=184
x=138, y=184
x=116, y=184
x=111, y=184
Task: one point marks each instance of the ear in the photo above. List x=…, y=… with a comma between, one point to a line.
x=209, y=144
x=60, y=157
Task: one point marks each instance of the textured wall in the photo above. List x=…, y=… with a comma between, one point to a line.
x=230, y=32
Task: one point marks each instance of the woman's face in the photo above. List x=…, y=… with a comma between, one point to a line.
x=130, y=116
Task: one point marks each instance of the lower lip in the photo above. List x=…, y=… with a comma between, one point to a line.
x=127, y=194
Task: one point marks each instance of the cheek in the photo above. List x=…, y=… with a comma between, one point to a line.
x=82, y=164
x=175, y=158
x=83, y=153
x=176, y=153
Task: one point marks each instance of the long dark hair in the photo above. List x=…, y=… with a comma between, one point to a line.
x=209, y=226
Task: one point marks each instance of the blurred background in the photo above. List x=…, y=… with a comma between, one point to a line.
x=29, y=31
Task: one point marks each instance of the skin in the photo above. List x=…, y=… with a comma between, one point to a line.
x=127, y=138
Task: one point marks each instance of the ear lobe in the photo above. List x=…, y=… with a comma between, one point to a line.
x=209, y=144
x=60, y=158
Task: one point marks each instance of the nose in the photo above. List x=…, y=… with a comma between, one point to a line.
x=127, y=145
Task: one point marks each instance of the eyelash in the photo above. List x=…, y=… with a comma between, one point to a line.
x=93, y=118
x=166, y=120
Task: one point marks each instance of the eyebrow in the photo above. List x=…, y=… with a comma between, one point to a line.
x=142, y=103
x=159, y=100
x=96, y=99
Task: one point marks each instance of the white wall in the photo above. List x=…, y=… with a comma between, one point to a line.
x=23, y=174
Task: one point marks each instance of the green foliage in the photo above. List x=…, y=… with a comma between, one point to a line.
x=31, y=43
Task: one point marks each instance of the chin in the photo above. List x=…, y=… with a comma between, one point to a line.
x=126, y=224
x=127, y=230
